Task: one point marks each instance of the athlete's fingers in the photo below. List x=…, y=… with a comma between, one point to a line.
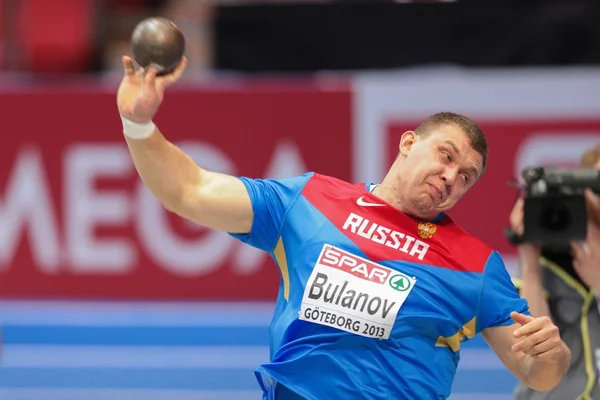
x=520, y=319
x=541, y=348
x=150, y=77
x=532, y=340
x=129, y=68
x=176, y=74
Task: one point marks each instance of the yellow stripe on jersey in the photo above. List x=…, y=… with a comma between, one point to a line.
x=468, y=331
x=281, y=259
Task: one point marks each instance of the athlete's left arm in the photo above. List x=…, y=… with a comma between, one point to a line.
x=531, y=348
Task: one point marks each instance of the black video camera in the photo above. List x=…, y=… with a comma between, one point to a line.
x=555, y=212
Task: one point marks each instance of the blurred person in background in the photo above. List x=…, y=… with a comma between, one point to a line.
x=564, y=285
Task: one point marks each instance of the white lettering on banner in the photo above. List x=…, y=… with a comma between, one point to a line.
x=353, y=294
x=27, y=211
x=563, y=93
x=27, y=207
x=88, y=208
x=556, y=147
x=385, y=236
x=180, y=256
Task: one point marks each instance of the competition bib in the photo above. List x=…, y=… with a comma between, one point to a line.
x=354, y=294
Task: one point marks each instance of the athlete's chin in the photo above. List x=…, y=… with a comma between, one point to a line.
x=445, y=206
x=428, y=208
x=425, y=208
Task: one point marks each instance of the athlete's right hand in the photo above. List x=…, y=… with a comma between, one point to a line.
x=528, y=252
x=141, y=92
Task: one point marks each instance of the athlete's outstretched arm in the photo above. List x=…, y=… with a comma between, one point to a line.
x=531, y=348
x=210, y=199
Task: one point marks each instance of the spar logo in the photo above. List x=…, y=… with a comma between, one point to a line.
x=364, y=269
x=354, y=265
x=400, y=282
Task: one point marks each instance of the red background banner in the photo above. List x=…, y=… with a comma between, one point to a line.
x=75, y=220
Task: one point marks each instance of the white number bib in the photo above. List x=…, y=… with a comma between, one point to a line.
x=354, y=294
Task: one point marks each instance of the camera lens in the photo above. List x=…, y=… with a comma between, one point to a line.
x=555, y=218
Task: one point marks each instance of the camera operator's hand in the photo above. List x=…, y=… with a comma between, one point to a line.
x=529, y=254
x=586, y=255
x=593, y=207
x=586, y=258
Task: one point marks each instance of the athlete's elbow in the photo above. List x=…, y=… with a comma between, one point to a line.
x=169, y=198
x=176, y=204
x=172, y=198
x=185, y=206
x=172, y=206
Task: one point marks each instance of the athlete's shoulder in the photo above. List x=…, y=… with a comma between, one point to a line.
x=318, y=179
x=284, y=189
x=471, y=251
x=296, y=180
x=326, y=183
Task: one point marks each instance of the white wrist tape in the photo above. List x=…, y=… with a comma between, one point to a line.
x=134, y=130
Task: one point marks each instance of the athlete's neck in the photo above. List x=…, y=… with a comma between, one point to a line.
x=391, y=194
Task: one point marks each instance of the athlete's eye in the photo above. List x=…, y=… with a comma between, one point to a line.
x=465, y=178
x=446, y=156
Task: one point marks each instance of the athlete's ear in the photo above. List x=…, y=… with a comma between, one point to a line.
x=406, y=142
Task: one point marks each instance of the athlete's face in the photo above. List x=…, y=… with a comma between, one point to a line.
x=437, y=169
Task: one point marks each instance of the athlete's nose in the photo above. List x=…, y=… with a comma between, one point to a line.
x=449, y=177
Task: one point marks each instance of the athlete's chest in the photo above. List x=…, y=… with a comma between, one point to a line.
x=337, y=286
x=363, y=266
x=374, y=229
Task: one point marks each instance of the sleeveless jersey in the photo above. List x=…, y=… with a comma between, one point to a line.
x=373, y=303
